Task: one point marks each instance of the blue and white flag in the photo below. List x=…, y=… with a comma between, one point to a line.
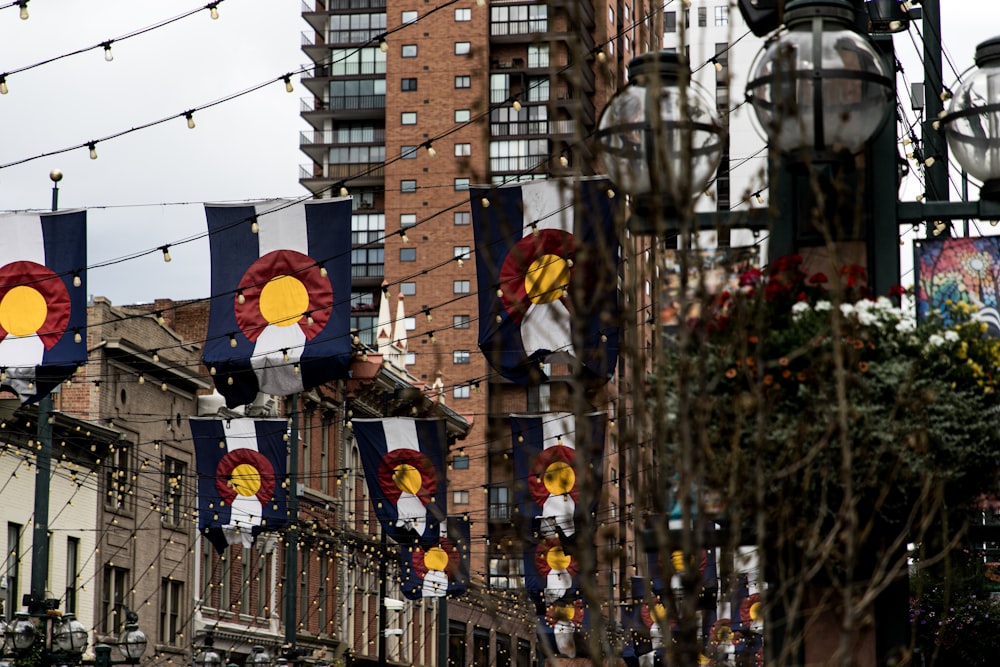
x=547, y=250
x=550, y=572
x=279, y=320
x=439, y=569
x=241, y=478
x=43, y=300
x=553, y=462
x=403, y=460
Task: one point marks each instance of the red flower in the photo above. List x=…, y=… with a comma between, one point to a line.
x=897, y=290
x=818, y=278
x=786, y=263
x=853, y=274
x=750, y=278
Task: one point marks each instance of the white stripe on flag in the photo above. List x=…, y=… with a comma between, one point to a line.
x=283, y=229
x=558, y=425
x=400, y=434
x=241, y=434
x=548, y=205
x=22, y=240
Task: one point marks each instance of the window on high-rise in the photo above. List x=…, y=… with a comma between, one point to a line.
x=408, y=85
x=461, y=321
x=463, y=150
x=460, y=498
x=367, y=263
x=408, y=152
x=538, y=55
x=518, y=19
x=408, y=185
x=462, y=15
x=408, y=289
x=462, y=115
x=407, y=254
x=460, y=356
x=117, y=480
x=462, y=252
x=460, y=286
x=505, y=572
x=408, y=51
x=461, y=184
x=538, y=89
x=721, y=15
x=351, y=61
x=408, y=118
x=367, y=228
x=407, y=219
x=463, y=48
x=702, y=17
x=670, y=21
x=357, y=94
x=357, y=154
x=355, y=28
x=462, y=217
x=461, y=391
x=518, y=154
x=410, y=17
x=463, y=81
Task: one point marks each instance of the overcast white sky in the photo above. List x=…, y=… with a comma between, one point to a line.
x=241, y=150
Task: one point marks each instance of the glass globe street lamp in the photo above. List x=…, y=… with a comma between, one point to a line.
x=660, y=139
x=208, y=656
x=819, y=88
x=132, y=641
x=259, y=657
x=972, y=124
x=20, y=632
x=70, y=636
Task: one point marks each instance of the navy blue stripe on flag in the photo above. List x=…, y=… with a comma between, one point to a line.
x=65, y=241
x=234, y=248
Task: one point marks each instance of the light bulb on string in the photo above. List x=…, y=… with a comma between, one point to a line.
x=108, y=56
x=343, y=191
x=716, y=64
x=403, y=237
x=156, y=357
x=77, y=338
x=166, y=253
x=24, y=9
x=240, y=299
x=3, y=86
x=77, y=281
x=232, y=341
x=322, y=271
x=516, y=105
x=383, y=46
x=190, y=119
x=213, y=11
x=430, y=151
x=289, y=88
x=93, y=150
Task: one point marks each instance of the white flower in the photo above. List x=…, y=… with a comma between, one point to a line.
x=800, y=308
x=822, y=306
x=906, y=325
x=846, y=309
x=866, y=317
x=935, y=340
x=951, y=336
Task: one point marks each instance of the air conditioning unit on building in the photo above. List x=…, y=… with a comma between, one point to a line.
x=263, y=405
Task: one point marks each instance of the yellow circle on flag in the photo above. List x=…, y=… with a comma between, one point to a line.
x=678, y=559
x=563, y=613
x=406, y=478
x=559, y=478
x=658, y=613
x=23, y=311
x=756, y=613
x=436, y=558
x=245, y=479
x=283, y=301
x=546, y=278
x=557, y=559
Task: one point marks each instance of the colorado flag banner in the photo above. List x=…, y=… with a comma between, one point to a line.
x=241, y=477
x=440, y=569
x=548, y=467
x=43, y=300
x=403, y=460
x=279, y=320
x=547, y=250
x=550, y=572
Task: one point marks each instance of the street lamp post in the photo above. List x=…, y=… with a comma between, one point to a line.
x=822, y=93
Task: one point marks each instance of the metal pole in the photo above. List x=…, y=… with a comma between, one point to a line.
x=382, y=574
x=934, y=143
x=43, y=473
x=292, y=535
x=442, y=656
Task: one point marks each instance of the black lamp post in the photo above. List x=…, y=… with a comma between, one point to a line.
x=65, y=640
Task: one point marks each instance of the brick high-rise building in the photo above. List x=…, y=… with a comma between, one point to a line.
x=411, y=103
